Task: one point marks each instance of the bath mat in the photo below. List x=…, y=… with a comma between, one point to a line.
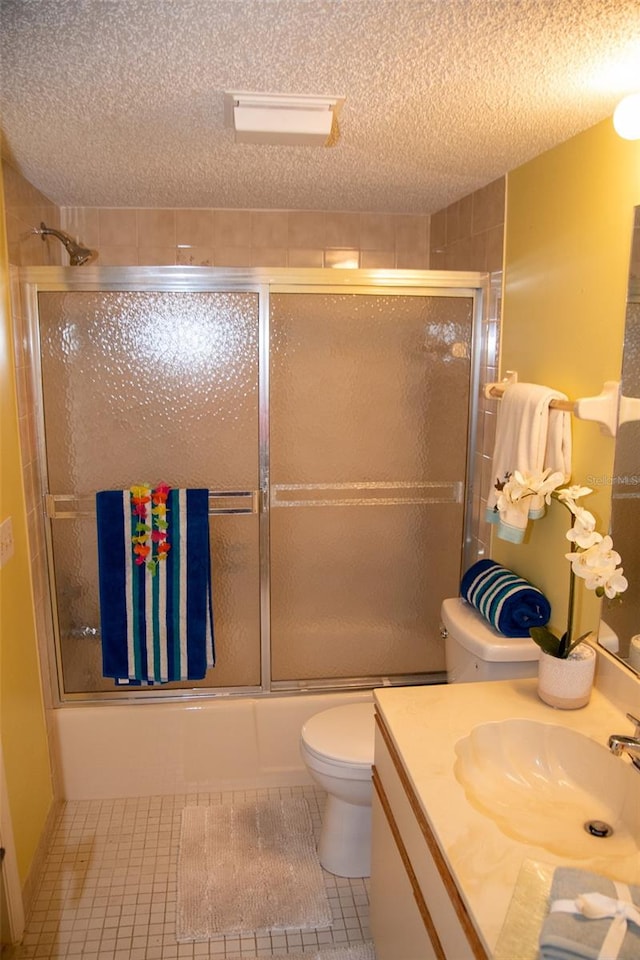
x=247, y=866
x=356, y=951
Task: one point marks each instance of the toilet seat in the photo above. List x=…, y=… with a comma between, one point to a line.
x=335, y=768
x=343, y=736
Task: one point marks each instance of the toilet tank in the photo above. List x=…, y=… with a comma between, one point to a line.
x=475, y=651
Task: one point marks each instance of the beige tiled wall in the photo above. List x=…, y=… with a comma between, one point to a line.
x=469, y=235
x=250, y=238
x=26, y=209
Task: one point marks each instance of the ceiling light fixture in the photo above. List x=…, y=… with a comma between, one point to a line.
x=626, y=117
x=289, y=119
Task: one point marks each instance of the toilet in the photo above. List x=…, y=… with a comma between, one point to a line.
x=337, y=744
x=475, y=651
x=337, y=748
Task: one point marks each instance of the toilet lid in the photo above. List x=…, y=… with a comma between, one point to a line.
x=344, y=733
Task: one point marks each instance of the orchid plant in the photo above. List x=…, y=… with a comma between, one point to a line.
x=592, y=558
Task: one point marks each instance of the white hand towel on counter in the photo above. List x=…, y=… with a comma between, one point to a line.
x=530, y=437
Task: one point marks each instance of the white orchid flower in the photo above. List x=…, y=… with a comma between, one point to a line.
x=579, y=564
x=573, y=492
x=517, y=487
x=616, y=584
x=548, y=484
x=598, y=567
x=593, y=559
x=539, y=482
x=603, y=553
x=604, y=582
x=525, y=480
x=584, y=520
x=599, y=554
x=569, y=495
x=521, y=485
x=583, y=532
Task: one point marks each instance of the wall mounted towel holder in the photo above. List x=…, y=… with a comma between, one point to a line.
x=610, y=409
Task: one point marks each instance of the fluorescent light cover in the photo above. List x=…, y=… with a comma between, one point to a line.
x=281, y=118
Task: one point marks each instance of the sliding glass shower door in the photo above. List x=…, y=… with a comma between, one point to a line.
x=330, y=425
x=149, y=387
x=369, y=408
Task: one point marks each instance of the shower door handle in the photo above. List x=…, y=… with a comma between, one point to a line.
x=367, y=493
x=234, y=508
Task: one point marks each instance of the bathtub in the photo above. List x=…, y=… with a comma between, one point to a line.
x=138, y=750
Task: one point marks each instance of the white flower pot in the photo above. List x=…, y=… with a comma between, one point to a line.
x=567, y=683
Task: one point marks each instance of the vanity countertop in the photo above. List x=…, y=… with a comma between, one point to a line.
x=425, y=723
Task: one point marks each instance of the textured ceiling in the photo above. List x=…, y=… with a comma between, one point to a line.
x=120, y=102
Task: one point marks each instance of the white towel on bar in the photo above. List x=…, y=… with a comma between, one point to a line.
x=530, y=437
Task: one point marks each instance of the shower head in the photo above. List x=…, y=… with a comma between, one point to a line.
x=77, y=253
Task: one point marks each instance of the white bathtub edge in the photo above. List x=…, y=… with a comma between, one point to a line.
x=139, y=750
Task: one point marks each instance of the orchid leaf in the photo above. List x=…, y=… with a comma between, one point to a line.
x=579, y=640
x=546, y=640
x=558, y=647
x=563, y=647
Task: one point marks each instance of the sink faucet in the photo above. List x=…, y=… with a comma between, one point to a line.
x=619, y=743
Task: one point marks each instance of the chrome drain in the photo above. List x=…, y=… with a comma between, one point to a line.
x=598, y=828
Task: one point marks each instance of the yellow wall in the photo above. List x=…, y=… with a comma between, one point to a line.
x=568, y=239
x=22, y=721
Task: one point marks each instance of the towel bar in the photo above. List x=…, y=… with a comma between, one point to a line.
x=609, y=408
x=496, y=390
x=59, y=506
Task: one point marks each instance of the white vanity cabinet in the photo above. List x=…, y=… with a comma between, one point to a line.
x=417, y=912
x=443, y=871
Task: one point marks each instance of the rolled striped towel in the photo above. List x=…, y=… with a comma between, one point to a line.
x=510, y=604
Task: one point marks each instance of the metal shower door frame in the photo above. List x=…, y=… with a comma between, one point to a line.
x=262, y=282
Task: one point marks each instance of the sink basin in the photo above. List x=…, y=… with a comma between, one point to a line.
x=541, y=783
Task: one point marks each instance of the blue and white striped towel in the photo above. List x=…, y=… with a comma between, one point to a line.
x=510, y=604
x=156, y=624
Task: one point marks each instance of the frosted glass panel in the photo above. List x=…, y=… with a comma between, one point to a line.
x=234, y=561
x=150, y=386
x=368, y=387
x=369, y=398
x=144, y=387
x=360, y=590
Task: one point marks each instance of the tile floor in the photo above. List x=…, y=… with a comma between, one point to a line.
x=108, y=888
